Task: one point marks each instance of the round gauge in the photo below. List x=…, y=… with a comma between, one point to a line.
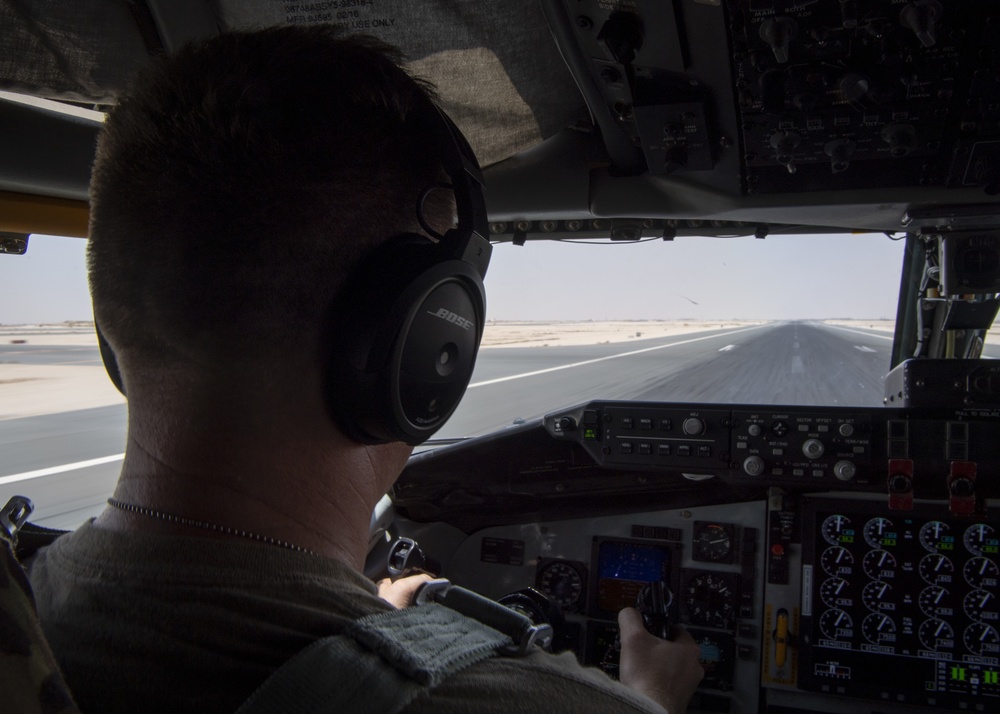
x=709, y=599
x=936, y=635
x=879, y=564
x=713, y=543
x=876, y=596
x=980, y=605
x=981, y=639
x=934, y=602
x=834, y=593
x=716, y=653
x=936, y=569
x=878, y=533
x=933, y=534
x=980, y=573
x=834, y=527
x=562, y=582
x=879, y=629
x=980, y=539
x=836, y=625
x=837, y=561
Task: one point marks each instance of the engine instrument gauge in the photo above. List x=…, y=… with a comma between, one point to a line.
x=936, y=569
x=879, y=565
x=981, y=539
x=879, y=533
x=879, y=629
x=877, y=596
x=835, y=593
x=935, y=536
x=837, y=561
x=713, y=542
x=936, y=635
x=981, y=573
x=934, y=602
x=981, y=639
x=837, y=529
x=836, y=625
x=564, y=581
x=980, y=605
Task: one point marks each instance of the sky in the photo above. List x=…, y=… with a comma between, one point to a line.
x=778, y=278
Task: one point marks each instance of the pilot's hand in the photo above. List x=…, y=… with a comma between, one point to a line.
x=666, y=671
x=400, y=593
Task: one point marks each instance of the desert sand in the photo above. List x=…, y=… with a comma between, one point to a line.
x=33, y=390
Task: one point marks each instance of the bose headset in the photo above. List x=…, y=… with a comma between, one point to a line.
x=401, y=339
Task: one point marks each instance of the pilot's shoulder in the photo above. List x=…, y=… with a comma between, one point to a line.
x=537, y=682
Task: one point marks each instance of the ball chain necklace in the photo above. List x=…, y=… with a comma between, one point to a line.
x=129, y=508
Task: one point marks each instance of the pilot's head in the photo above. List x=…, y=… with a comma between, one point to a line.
x=236, y=187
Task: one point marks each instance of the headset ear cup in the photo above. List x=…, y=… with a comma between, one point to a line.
x=402, y=342
x=110, y=360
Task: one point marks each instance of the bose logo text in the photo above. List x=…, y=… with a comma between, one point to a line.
x=446, y=314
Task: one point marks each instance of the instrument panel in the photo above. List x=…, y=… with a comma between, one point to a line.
x=900, y=606
x=855, y=569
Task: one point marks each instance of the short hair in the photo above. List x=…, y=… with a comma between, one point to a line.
x=239, y=181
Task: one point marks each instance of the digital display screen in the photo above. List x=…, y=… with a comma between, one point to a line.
x=901, y=604
x=623, y=568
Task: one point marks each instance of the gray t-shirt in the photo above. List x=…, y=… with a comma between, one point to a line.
x=169, y=624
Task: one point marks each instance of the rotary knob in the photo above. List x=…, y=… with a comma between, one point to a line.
x=753, y=465
x=813, y=448
x=693, y=426
x=754, y=430
x=845, y=470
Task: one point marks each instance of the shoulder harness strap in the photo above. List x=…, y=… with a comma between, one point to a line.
x=30, y=680
x=384, y=661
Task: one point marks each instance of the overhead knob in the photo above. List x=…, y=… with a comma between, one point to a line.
x=902, y=138
x=853, y=85
x=839, y=151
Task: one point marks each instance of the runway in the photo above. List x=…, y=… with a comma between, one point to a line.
x=68, y=463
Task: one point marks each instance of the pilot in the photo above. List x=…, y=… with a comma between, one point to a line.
x=239, y=184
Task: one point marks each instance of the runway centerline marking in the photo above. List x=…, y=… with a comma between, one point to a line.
x=60, y=469
x=862, y=348
x=610, y=357
x=728, y=348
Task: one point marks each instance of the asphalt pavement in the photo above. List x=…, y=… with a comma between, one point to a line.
x=68, y=462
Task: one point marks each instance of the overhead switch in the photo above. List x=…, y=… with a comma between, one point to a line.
x=778, y=33
x=921, y=17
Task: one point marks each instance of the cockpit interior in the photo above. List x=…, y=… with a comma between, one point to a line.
x=826, y=558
